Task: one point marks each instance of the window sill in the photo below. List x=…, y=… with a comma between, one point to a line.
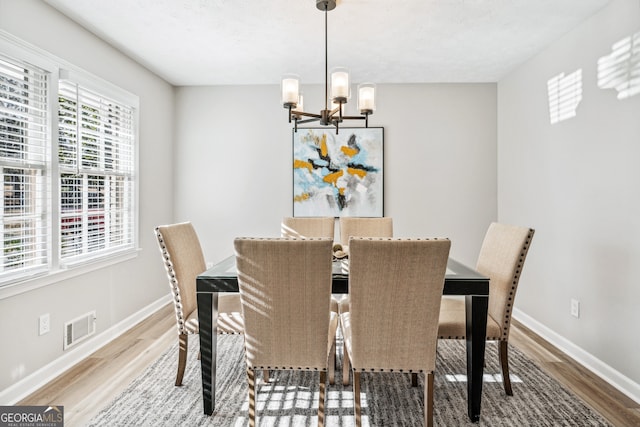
x=46, y=279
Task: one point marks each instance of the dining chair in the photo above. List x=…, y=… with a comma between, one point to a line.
x=184, y=260
x=304, y=228
x=395, y=288
x=361, y=227
x=364, y=227
x=285, y=291
x=501, y=258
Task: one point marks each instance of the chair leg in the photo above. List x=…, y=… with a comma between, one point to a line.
x=504, y=363
x=332, y=364
x=428, y=399
x=251, y=377
x=323, y=385
x=345, y=366
x=414, y=379
x=356, y=398
x=265, y=376
x=183, y=345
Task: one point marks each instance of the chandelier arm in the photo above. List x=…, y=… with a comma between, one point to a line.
x=307, y=120
x=302, y=113
x=335, y=110
x=353, y=118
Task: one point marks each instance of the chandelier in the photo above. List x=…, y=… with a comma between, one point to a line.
x=340, y=91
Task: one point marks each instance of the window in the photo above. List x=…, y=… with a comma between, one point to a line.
x=95, y=158
x=24, y=120
x=68, y=167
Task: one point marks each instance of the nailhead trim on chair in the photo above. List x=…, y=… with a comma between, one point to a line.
x=175, y=290
x=289, y=368
x=514, y=284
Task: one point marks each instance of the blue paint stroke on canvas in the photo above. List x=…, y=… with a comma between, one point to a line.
x=338, y=175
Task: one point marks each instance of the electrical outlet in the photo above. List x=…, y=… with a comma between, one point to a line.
x=575, y=308
x=44, y=324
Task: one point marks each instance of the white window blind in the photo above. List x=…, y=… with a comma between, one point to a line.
x=24, y=243
x=96, y=148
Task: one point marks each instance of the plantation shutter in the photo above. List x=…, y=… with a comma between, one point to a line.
x=24, y=245
x=96, y=148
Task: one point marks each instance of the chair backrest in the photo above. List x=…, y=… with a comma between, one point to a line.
x=285, y=289
x=501, y=258
x=365, y=227
x=395, y=289
x=183, y=260
x=307, y=227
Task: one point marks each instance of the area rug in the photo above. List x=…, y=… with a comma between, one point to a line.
x=291, y=398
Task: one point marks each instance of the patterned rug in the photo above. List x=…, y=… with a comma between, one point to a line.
x=291, y=398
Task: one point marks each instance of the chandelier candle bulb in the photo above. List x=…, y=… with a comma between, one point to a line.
x=340, y=84
x=367, y=97
x=290, y=91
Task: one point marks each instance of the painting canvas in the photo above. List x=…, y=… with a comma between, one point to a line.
x=338, y=175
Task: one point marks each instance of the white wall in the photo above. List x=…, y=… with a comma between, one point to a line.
x=122, y=290
x=233, y=161
x=576, y=183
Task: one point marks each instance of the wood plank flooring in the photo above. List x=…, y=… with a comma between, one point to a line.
x=93, y=383
x=85, y=389
x=613, y=405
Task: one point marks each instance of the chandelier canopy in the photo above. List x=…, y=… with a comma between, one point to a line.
x=340, y=91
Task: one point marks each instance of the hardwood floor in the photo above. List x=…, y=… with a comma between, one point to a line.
x=93, y=383
x=90, y=385
x=616, y=407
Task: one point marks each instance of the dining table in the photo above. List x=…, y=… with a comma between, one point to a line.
x=459, y=280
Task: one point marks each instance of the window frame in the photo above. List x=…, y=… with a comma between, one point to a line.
x=57, y=69
x=87, y=95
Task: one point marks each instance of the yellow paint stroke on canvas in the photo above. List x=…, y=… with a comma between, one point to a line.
x=299, y=164
x=349, y=151
x=361, y=173
x=323, y=146
x=302, y=197
x=333, y=177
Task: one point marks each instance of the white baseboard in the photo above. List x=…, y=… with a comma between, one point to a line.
x=29, y=384
x=595, y=365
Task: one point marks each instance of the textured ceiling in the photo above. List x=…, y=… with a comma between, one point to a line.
x=217, y=42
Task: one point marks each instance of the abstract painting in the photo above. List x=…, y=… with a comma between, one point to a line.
x=338, y=175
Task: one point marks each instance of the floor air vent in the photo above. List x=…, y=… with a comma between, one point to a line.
x=79, y=329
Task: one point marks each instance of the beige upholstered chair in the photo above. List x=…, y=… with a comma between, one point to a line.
x=361, y=227
x=395, y=288
x=304, y=228
x=364, y=227
x=184, y=260
x=307, y=227
x=285, y=289
x=501, y=258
